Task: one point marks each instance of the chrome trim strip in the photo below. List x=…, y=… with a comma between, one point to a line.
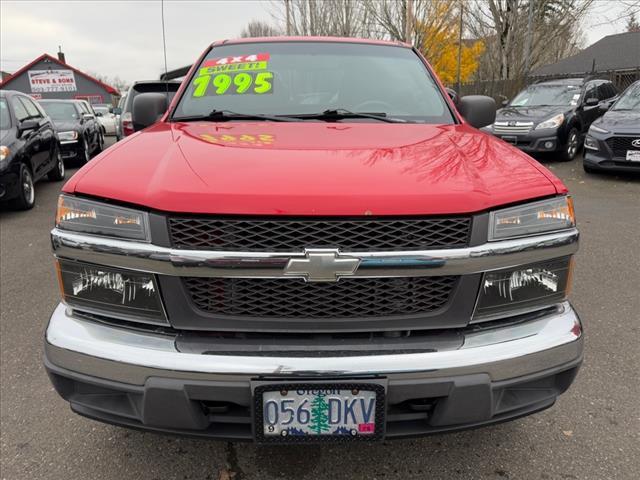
x=131, y=356
x=204, y=263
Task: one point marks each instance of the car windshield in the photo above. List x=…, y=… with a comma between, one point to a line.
x=60, y=111
x=298, y=78
x=630, y=99
x=5, y=118
x=543, y=95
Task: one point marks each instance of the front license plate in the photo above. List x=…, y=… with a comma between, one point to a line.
x=633, y=155
x=319, y=412
x=511, y=140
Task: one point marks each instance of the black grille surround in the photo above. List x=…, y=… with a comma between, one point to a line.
x=294, y=235
x=295, y=298
x=620, y=145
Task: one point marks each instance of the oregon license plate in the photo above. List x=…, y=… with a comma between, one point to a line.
x=633, y=155
x=319, y=412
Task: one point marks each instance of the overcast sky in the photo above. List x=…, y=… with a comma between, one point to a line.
x=124, y=38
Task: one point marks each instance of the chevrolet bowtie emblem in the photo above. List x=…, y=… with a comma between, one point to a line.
x=322, y=265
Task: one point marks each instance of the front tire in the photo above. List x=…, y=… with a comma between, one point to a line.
x=26, y=198
x=100, y=145
x=572, y=146
x=86, y=152
x=57, y=174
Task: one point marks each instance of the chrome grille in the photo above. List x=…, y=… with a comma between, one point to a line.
x=293, y=298
x=294, y=235
x=512, y=128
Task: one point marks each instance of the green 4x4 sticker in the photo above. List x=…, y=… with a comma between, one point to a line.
x=243, y=74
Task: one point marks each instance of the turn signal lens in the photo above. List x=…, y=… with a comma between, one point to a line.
x=81, y=215
x=523, y=289
x=132, y=296
x=532, y=218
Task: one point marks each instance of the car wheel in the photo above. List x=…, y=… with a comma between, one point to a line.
x=572, y=145
x=57, y=173
x=26, y=198
x=86, y=152
x=100, y=145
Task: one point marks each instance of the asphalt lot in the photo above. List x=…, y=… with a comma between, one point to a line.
x=593, y=432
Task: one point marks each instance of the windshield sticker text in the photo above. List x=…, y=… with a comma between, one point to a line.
x=242, y=74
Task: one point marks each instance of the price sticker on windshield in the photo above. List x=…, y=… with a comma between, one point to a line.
x=236, y=75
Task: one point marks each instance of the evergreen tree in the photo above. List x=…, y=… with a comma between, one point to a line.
x=319, y=414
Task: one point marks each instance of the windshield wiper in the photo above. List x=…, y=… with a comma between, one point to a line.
x=228, y=115
x=341, y=113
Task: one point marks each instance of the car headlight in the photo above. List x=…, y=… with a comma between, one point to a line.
x=553, y=122
x=532, y=218
x=591, y=143
x=524, y=288
x=118, y=293
x=88, y=216
x=67, y=136
x=597, y=129
x=4, y=153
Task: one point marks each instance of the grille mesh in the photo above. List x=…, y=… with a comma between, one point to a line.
x=620, y=145
x=294, y=298
x=295, y=235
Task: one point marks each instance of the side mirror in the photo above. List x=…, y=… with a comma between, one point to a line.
x=478, y=110
x=116, y=111
x=147, y=109
x=603, y=107
x=505, y=102
x=98, y=114
x=591, y=102
x=453, y=95
x=28, y=124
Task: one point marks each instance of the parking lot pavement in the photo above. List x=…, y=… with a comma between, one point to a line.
x=593, y=432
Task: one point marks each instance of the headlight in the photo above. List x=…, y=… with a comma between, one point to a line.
x=590, y=143
x=67, y=136
x=104, y=290
x=87, y=216
x=553, y=122
x=597, y=129
x=523, y=288
x=532, y=218
x=4, y=152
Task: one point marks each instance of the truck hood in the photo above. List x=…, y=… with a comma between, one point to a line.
x=314, y=168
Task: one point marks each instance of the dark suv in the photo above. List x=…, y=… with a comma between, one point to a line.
x=613, y=142
x=553, y=116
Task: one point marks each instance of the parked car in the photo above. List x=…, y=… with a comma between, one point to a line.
x=613, y=142
x=147, y=86
x=118, y=112
x=29, y=149
x=77, y=127
x=313, y=244
x=553, y=116
x=106, y=119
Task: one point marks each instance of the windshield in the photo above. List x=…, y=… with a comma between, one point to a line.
x=630, y=99
x=288, y=78
x=60, y=111
x=542, y=95
x=5, y=118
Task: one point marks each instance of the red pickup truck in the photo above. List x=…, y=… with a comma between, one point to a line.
x=313, y=244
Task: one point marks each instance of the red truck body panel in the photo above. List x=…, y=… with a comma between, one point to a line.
x=314, y=168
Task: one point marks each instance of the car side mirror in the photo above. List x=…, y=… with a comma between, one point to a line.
x=603, y=107
x=147, y=109
x=478, y=110
x=28, y=124
x=504, y=102
x=116, y=111
x=453, y=95
x=98, y=114
x=591, y=102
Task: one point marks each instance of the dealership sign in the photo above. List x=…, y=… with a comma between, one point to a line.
x=52, y=81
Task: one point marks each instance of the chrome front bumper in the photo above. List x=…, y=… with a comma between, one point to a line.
x=131, y=357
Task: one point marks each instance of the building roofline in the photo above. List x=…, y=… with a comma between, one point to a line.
x=46, y=56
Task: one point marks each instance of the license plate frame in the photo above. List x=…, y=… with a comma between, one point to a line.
x=633, y=156
x=510, y=139
x=259, y=388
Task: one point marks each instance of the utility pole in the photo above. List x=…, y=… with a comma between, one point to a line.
x=460, y=47
x=527, y=44
x=408, y=21
x=287, y=7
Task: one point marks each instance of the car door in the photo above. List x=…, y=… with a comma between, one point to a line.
x=589, y=113
x=45, y=137
x=30, y=139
